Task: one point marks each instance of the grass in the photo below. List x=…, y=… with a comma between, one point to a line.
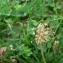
x=18, y=28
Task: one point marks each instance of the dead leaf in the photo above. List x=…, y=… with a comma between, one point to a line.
x=3, y=51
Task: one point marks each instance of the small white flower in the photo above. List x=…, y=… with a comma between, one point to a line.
x=31, y=41
x=33, y=33
x=11, y=47
x=33, y=29
x=56, y=42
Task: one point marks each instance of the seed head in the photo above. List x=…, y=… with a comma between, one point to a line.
x=55, y=44
x=42, y=34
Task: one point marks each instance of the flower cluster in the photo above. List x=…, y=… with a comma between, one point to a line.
x=42, y=34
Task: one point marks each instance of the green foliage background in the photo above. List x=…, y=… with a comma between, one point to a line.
x=18, y=17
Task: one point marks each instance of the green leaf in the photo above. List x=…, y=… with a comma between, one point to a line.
x=34, y=22
x=18, y=7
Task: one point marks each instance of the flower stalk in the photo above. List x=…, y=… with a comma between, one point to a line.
x=44, y=60
x=42, y=36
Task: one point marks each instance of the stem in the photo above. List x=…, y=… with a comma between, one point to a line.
x=55, y=8
x=57, y=16
x=42, y=54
